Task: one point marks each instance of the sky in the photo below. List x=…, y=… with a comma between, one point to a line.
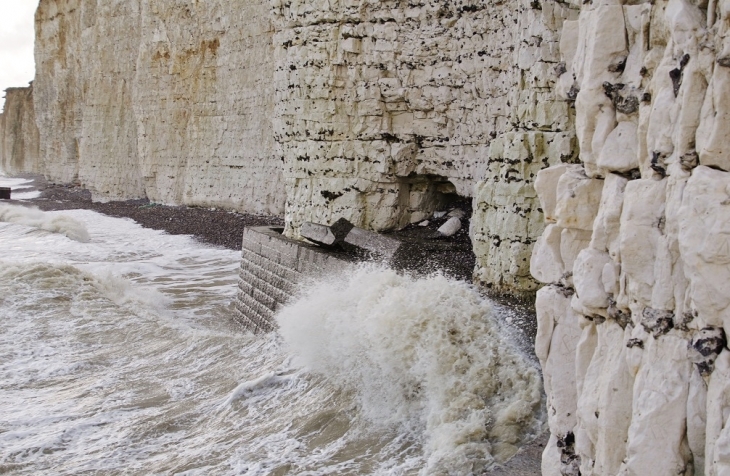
x=17, y=66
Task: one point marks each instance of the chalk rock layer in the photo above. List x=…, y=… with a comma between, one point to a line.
x=172, y=101
x=19, y=140
x=636, y=254
x=377, y=112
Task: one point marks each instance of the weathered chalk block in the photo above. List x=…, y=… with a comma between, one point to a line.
x=704, y=241
x=546, y=262
x=319, y=234
x=451, y=227
x=577, y=200
x=546, y=186
x=620, y=151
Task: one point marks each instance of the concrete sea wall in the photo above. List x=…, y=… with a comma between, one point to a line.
x=272, y=269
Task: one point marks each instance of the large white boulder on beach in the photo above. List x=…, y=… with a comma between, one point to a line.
x=451, y=227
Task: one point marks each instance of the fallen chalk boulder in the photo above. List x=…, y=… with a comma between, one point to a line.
x=451, y=227
x=324, y=235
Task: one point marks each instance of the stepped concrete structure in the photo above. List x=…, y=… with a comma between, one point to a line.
x=272, y=269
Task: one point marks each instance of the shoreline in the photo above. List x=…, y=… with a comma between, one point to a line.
x=212, y=226
x=225, y=229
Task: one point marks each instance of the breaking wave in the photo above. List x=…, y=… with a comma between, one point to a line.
x=424, y=353
x=53, y=222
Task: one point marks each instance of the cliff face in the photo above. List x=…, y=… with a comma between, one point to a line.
x=18, y=133
x=385, y=113
x=203, y=99
x=632, y=335
x=58, y=86
x=378, y=112
x=169, y=101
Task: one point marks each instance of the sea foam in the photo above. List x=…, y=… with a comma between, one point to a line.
x=34, y=218
x=424, y=353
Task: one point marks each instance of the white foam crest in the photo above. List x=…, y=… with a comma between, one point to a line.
x=425, y=353
x=34, y=218
x=15, y=182
x=261, y=384
x=124, y=292
x=120, y=291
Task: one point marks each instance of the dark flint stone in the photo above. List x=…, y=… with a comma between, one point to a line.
x=704, y=348
x=724, y=62
x=618, y=67
x=341, y=228
x=635, y=343
x=573, y=93
x=711, y=340
x=681, y=322
x=689, y=161
x=623, y=101
x=627, y=105
x=565, y=290
x=561, y=69
x=657, y=322
x=569, y=461
x=622, y=318
x=657, y=164
x=567, y=441
x=5, y=193
x=676, y=74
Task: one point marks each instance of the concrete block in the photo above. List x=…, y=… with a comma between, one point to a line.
x=319, y=234
x=326, y=235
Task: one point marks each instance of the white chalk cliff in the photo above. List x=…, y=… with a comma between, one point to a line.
x=19, y=134
x=636, y=250
x=380, y=112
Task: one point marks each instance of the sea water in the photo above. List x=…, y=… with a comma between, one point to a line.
x=119, y=355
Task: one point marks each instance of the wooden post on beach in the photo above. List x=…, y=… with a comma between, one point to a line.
x=5, y=193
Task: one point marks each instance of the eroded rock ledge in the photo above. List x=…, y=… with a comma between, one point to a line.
x=632, y=322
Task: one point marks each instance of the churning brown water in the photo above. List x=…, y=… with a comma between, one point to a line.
x=118, y=356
